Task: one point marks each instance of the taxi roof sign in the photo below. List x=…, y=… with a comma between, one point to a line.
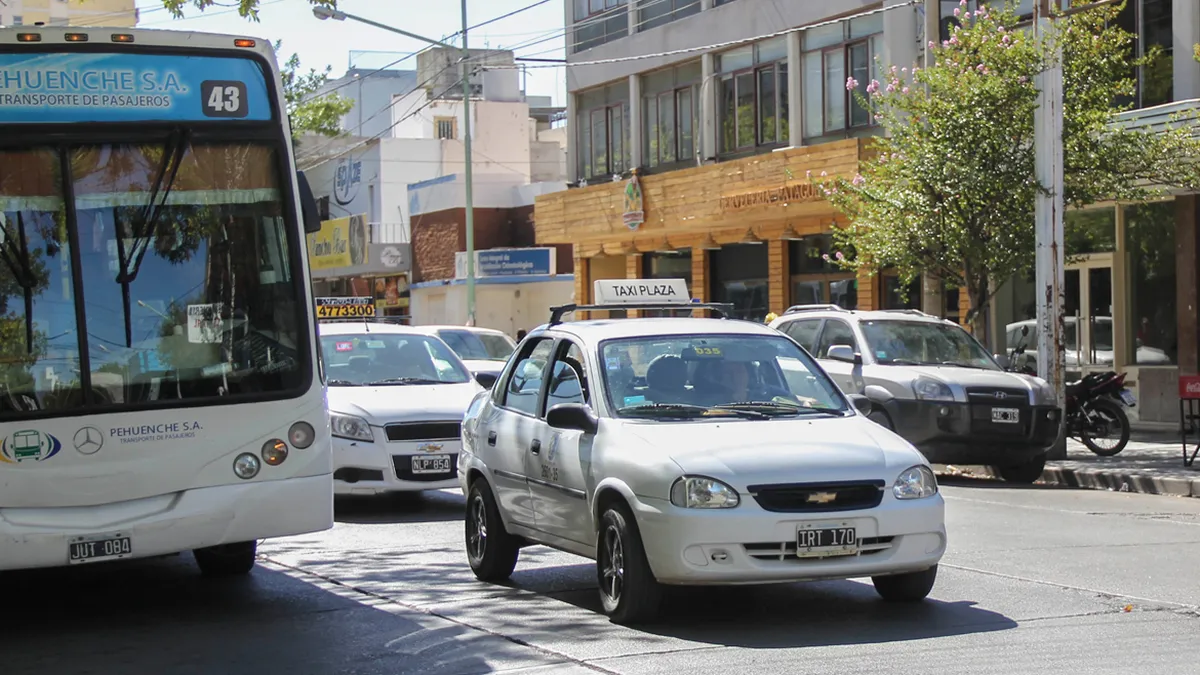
x=641, y=292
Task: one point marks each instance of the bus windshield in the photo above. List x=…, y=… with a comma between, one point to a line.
x=132, y=273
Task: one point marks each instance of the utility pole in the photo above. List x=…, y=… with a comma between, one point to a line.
x=470, y=202
x=1048, y=218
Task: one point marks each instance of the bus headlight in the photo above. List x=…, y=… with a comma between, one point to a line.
x=274, y=452
x=246, y=466
x=301, y=435
x=351, y=427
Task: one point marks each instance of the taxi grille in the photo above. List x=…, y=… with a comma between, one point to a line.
x=786, y=550
x=424, y=431
x=818, y=497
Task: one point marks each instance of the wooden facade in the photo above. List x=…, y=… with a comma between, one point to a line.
x=767, y=198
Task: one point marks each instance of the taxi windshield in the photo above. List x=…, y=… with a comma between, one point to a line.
x=382, y=359
x=714, y=376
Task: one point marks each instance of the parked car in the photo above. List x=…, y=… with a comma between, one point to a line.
x=931, y=382
x=690, y=451
x=484, y=350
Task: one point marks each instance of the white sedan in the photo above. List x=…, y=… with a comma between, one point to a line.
x=691, y=451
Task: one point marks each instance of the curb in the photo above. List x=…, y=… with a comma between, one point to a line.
x=1119, y=480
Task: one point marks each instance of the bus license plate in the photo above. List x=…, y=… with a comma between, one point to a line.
x=431, y=464
x=98, y=547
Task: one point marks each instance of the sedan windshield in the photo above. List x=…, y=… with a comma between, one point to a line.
x=748, y=376
x=924, y=343
x=384, y=359
x=474, y=346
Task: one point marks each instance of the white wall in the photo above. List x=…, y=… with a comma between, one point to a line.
x=504, y=307
x=372, y=95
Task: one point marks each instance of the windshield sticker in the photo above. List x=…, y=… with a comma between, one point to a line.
x=376, y=344
x=634, y=400
x=146, y=433
x=880, y=354
x=612, y=363
x=344, y=346
x=29, y=445
x=709, y=352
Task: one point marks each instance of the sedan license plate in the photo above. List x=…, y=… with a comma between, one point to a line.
x=99, y=547
x=1006, y=415
x=431, y=464
x=1128, y=397
x=825, y=542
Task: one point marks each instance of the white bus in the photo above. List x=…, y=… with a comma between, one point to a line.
x=159, y=385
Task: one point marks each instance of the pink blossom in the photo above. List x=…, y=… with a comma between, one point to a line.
x=980, y=67
x=873, y=87
x=953, y=39
x=858, y=179
x=1005, y=39
x=931, y=44
x=878, y=117
x=839, y=256
x=851, y=84
x=904, y=70
x=962, y=3
x=825, y=257
x=916, y=70
x=1000, y=28
x=1022, y=79
x=957, y=11
x=823, y=174
x=891, y=87
x=904, y=90
x=808, y=174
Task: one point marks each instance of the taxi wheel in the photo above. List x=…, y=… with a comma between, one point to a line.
x=910, y=587
x=491, y=550
x=227, y=560
x=628, y=589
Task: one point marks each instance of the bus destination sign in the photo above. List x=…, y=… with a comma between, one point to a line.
x=67, y=87
x=345, y=308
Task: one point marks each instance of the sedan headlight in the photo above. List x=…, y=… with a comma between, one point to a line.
x=699, y=492
x=932, y=390
x=351, y=427
x=916, y=482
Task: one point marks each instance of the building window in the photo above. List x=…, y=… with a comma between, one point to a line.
x=655, y=13
x=817, y=281
x=753, y=97
x=897, y=295
x=738, y=275
x=598, y=22
x=670, y=114
x=668, y=265
x=1150, y=23
x=833, y=54
x=602, y=124
x=1150, y=245
x=446, y=128
x=718, y=3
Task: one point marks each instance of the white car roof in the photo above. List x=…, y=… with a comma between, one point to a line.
x=860, y=315
x=359, y=327
x=595, y=330
x=472, y=329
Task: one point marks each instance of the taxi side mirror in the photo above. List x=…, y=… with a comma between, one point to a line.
x=574, y=417
x=486, y=380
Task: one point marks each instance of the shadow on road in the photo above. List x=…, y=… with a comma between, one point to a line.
x=404, y=507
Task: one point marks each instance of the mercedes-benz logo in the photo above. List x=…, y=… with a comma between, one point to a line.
x=89, y=440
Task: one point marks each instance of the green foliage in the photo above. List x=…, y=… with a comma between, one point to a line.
x=321, y=115
x=952, y=186
x=248, y=9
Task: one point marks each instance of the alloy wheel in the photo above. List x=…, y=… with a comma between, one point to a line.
x=477, y=536
x=614, y=564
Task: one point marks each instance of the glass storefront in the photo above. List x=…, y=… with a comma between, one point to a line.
x=668, y=265
x=738, y=274
x=1150, y=243
x=817, y=280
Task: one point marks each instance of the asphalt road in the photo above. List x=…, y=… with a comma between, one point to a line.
x=1036, y=580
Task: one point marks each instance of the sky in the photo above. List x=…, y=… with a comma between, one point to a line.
x=320, y=43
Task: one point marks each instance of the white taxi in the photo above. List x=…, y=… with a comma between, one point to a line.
x=690, y=451
x=396, y=403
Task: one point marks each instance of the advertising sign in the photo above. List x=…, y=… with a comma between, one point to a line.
x=70, y=87
x=345, y=308
x=340, y=243
x=204, y=323
x=507, y=262
x=634, y=214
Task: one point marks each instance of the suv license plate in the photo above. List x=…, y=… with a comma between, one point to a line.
x=821, y=543
x=1006, y=415
x=95, y=548
x=431, y=464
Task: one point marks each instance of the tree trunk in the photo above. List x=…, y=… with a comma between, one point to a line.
x=977, y=315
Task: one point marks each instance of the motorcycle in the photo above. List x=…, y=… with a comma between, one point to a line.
x=1095, y=411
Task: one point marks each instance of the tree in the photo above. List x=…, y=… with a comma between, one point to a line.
x=309, y=112
x=248, y=9
x=950, y=190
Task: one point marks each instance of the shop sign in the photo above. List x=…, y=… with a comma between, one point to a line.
x=634, y=214
x=391, y=257
x=347, y=178
x=800, y=192
x=507, y=262
x=392, y=292
x=340, y=243
x=345, y=308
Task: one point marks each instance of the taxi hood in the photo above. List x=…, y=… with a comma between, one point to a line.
x=755, y=452
x=404, y=403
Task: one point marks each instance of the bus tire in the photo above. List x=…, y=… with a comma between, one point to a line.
x=227, y=560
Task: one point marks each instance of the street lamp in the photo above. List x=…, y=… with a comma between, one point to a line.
x=324, y=13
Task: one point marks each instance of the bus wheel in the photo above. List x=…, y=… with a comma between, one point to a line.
x=227, y=560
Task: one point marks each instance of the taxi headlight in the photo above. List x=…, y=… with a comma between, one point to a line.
x=349, y=426
x=700, y=492
x=916, y=482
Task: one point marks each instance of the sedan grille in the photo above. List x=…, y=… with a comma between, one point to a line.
x=424, y=431
x=818, y=497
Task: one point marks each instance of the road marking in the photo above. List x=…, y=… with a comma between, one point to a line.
x=1143, y=516
x=1095, y=591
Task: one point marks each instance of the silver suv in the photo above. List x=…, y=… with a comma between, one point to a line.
x=931, y=382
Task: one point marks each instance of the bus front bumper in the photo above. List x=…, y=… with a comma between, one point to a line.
x=167, y=524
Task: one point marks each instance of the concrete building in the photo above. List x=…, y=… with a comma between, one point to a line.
x=372, y=91
x=115, y=13
x=693, y=131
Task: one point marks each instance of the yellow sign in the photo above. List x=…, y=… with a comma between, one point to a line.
x=345, y=308
x=340, y=243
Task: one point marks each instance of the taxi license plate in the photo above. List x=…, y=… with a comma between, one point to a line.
x=98, y=547
x=425, y=464
x=1006, y=415
x=825, y=542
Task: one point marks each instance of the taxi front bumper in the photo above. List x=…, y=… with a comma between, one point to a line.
x=749, y=545
x=375, y=467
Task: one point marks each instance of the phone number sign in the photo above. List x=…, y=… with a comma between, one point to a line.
x=345, y=308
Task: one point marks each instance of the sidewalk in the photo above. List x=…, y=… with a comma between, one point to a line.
x=1152, y=463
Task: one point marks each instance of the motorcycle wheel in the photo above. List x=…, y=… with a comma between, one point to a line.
x=1117, y=420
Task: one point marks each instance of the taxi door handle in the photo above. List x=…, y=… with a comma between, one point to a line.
x=536, y=446
x=492, y=438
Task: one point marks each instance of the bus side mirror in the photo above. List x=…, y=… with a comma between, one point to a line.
x=308, y=205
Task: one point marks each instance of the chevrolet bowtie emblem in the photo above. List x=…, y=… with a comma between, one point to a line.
x=821, y=497
x=430, y=447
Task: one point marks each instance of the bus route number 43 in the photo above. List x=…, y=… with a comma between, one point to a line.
x=224, y=98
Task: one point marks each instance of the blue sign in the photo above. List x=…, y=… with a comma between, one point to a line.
x=76, y=87
x=513, y=261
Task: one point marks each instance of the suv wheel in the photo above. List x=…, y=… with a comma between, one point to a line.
x=491, y=551
x=1026, y=472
